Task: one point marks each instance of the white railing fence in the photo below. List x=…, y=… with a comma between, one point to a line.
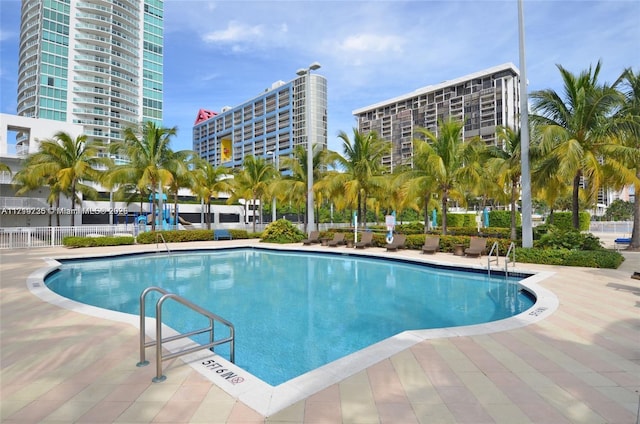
x=619, y=227
x=27, y=237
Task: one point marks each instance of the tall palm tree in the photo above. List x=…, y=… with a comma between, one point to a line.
x=208, y=183
x=419, y=182
x=624, y=154
x=361, y=166
x=504, y=164
x=182, y=166
x=293, y=186
x=25, y=181
x=451, y=162
x=70, y=163
x=252, y=182
x=574, y=129
x=148, y=155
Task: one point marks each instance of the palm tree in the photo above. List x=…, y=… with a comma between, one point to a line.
x=361, y=168
x=183, y=168
x=293, y=187
x=624, y=154
x=5, y=168
x=504, y=164
x=451, y=162
x=252, y=182
x=208, y=183
x=68, y=163
x=574, y=129
x=149, y=156
x=419, y=182
x=25, y=181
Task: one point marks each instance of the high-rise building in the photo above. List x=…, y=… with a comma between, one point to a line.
x=97, y=63
x=482, y=100
x=269, y=125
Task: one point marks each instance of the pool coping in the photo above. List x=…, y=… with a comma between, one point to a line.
x=267, y=399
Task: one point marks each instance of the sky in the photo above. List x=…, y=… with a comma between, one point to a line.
x=223, y=53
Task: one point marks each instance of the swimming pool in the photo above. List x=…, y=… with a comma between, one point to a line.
x=295, y=311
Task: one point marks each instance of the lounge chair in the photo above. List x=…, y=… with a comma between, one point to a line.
x=314, y=237
x=398, y=242
x=477, y=246
x=431, y=244
x=338, y=238
x=366, y=241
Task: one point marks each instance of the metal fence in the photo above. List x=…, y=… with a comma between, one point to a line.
x=620, y=227
x=27, y=237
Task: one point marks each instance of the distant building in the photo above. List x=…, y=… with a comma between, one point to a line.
x=269, y=125
x=482, y=100
x=96, y=63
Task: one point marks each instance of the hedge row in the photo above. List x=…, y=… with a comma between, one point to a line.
x=565, y=257
x=180, y=236
x=72, y=241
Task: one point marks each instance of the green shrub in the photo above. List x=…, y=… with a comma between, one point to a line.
x=563, y=220
x=282, y=231
x=572, y=240
x=181, y=236
x=467, y=220
x=566, y=257
x=502, y=219
x=410, y=228
x=72, y=241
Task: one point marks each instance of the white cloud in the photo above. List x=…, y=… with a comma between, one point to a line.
x=372, y=43
x=235, y=32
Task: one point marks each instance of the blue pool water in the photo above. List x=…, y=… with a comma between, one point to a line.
x=293, y=311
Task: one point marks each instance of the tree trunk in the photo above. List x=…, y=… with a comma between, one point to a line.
x=427, y=225
x=635, y=232
x=253, y=212
x=514, y=185
x=153, y=207
x=73, y=204
x=444, y=214
x=575, y=205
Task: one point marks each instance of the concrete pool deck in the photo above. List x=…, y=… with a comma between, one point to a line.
x=581, y=364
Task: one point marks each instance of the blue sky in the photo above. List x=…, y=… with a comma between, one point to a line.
x=222, y=53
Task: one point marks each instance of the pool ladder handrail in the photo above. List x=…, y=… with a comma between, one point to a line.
x=495, y=248
x=511, y=251
x=160, y=236
x=159, y=340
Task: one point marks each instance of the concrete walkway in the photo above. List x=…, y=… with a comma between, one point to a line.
x=581, y=364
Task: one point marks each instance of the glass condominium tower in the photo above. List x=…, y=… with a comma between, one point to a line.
x=97, y=63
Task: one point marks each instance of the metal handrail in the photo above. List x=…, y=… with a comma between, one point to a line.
x=159, y=340
x=160, y=236
x=497, y=257
x=512, y=248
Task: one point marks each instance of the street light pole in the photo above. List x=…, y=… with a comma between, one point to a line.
x=274, y=216
x=527, y=225
x=309, y=127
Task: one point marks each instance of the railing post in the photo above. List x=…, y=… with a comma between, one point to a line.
x=159, y=377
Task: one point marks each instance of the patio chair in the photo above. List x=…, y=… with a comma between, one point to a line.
x=314, y=237
x=338, y=238
x=366, y=241
x=477, y=246
x=431, y=244
x=398, y=242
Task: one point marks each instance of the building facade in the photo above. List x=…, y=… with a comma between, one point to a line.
x=482, y=100
x=96, y=63
x=269, y=125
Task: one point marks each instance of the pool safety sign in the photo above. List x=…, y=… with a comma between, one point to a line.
x=223, y=372
x=390, y=221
